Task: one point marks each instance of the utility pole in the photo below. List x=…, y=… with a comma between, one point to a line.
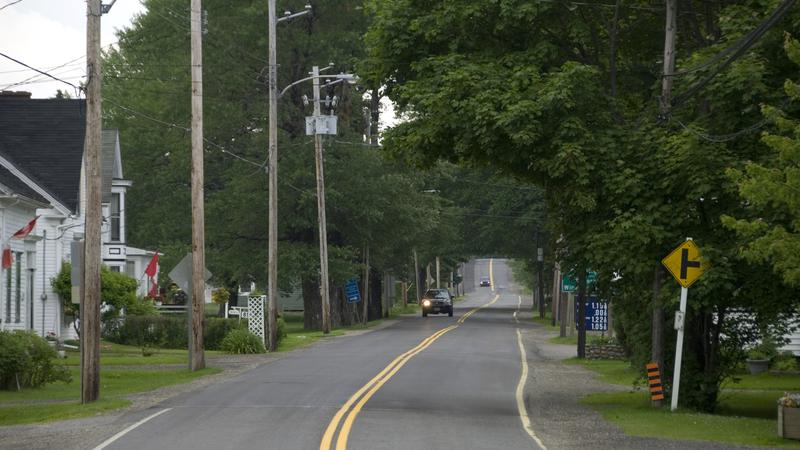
x=669, y=58
x=90, y=304
x=670, y=32
x=197, y=359
x=272, y=250
x=438, y=284
x=323, y=231
x=416, y=276
x=366, y=284
x=540, y=275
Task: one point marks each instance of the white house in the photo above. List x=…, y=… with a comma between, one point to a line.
x=41, y=174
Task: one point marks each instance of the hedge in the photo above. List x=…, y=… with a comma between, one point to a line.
x=168, y=331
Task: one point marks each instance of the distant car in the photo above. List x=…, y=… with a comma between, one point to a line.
x=437, y=301
x=485, y=282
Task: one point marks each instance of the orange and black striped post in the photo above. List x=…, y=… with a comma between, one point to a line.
x=654, y=380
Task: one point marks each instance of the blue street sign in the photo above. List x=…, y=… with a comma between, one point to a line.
x=596, y=318
x=352, y=292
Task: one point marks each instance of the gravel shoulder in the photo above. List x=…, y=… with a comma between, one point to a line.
x=552, y=395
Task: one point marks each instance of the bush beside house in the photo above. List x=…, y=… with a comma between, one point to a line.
x=27, y=361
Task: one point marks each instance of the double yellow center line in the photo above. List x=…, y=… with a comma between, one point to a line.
x=356, y=402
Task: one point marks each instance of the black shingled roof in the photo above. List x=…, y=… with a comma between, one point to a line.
x=18, y=186
x=43, y=138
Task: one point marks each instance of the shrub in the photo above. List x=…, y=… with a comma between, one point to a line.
x=167, y=331
x=242, y=341
x=216, y=328
x=784, y=362
x=26, y=360
x=142, y=306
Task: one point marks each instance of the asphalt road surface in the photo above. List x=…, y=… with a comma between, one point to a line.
x=424, y=383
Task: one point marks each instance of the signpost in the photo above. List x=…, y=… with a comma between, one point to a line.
x=686, y=265
x=352, y=292
x=596, y=317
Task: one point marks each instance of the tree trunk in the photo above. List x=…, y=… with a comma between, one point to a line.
x=312, y=304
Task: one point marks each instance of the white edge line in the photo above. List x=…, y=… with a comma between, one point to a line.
x=113, y=438
x=523, y=412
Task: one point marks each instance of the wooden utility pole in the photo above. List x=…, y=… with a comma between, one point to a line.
x=416, y=277
x=438, y=284
x=670, y=33
x=272, y=271
x=540, y=275
x=323, y=230
x=197, y=359
x=556, y=294
x=366, y=284
x=90, y=304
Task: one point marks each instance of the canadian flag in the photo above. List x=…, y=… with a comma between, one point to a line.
x=26, y=230
x=21, y=233
x=150, y=271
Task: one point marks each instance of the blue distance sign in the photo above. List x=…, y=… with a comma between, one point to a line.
x=352, y=292
x=596, y=318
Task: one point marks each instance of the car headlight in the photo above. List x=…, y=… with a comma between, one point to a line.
x=426, y=303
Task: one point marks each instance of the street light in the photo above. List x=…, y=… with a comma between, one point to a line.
x=272, y=246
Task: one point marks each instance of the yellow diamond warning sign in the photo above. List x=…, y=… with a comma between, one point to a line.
x=685, y=263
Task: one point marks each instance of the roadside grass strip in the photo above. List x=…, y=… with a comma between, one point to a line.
x=356, y=402
x=59, y=401
x=746, y=414
x=631, y=411
x=39, y=413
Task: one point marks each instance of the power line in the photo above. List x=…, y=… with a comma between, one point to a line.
x=741, y=47
x=184, y=129
x=9, y=4
x=721, y=138
x=37, y=70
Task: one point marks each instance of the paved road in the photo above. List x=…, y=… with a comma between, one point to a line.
x=456, y=390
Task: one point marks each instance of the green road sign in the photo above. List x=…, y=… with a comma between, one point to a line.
x=569, y=282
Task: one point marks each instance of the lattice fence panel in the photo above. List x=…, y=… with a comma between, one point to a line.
x=255, y=320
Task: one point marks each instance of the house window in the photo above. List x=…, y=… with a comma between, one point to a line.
x=130, y=268
x=116, y=228
x=18, y=290
x=116, y=269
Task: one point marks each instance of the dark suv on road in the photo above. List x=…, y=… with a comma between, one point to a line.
x=437, y=301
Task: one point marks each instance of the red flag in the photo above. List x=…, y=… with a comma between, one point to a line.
x=7, y=258
x=26, y=230
x=153, y=289
x=152, y=267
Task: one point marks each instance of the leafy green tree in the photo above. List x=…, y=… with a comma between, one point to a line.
x=771, y=191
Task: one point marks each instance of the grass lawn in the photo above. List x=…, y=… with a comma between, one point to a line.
x=298, y=337
x=129, y=355
x=572, y=340
x=764, y=381
x=18, y=415
x=22, y=407
x=411, y=308
x=746, y=413
x=547, y=321
x=612, y=372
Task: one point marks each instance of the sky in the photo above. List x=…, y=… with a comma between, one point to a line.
x=46, y=34
x=50, y=35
